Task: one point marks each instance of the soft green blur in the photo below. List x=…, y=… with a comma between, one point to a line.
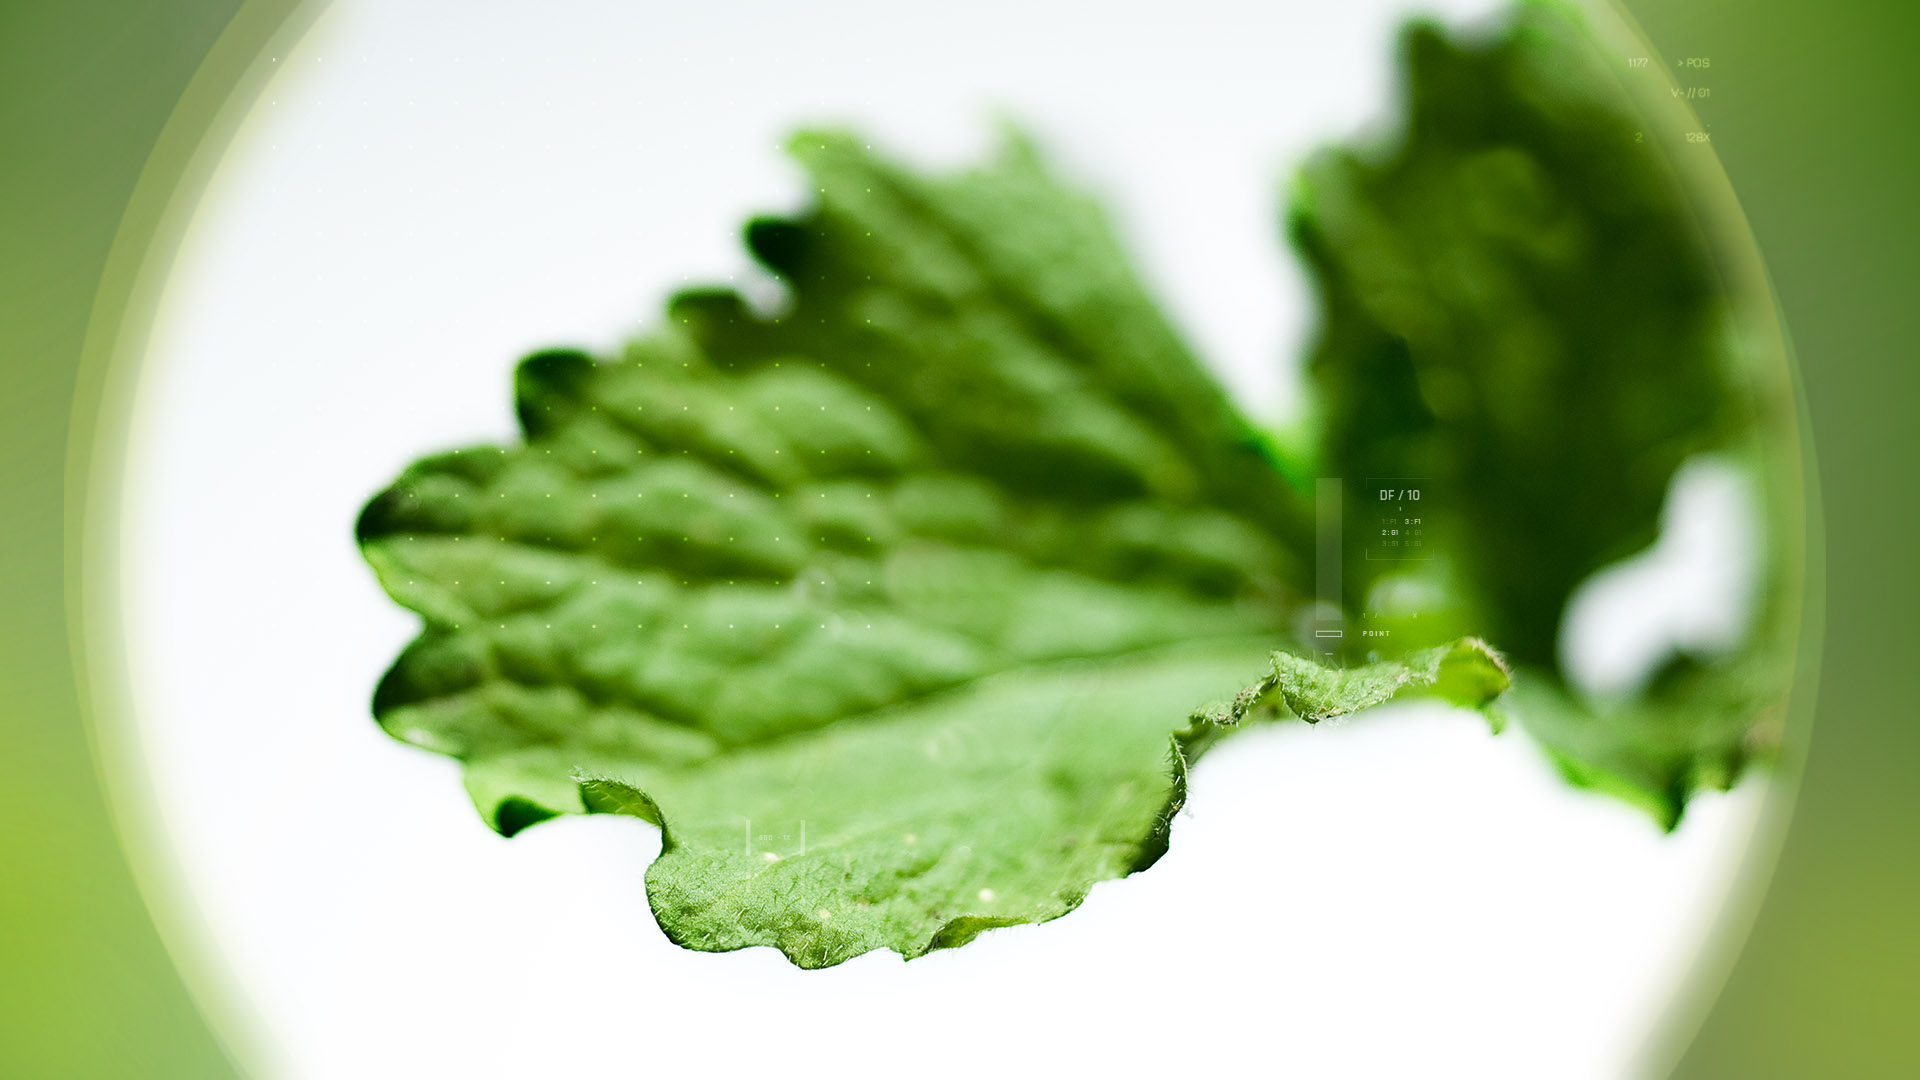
x=1811, y=122
x=1811, y=117
x=86, y=91
x=1537, y=299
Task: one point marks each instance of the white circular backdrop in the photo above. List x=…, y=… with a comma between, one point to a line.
x=428, y=190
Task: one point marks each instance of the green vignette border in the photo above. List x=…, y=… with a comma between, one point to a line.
x=211, y=114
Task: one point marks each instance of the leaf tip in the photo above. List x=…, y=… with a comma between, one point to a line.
x=604, y=795
x=545, y=381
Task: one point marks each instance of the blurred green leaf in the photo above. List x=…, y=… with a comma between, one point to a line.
x=1518, y=309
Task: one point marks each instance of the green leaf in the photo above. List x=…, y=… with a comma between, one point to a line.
x=916, y=827
x=1003, y=802
x=1467, y=673
x=883, y=607
x=1518, y=309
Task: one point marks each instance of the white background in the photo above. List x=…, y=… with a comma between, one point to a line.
x=429, y=190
